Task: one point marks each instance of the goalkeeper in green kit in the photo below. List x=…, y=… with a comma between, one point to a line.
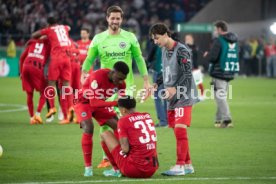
x=111, y=46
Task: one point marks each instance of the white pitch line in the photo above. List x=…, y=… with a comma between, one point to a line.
x=152, y=179
x=17, y=107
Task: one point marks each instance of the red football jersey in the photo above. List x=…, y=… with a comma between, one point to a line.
x=74, y=52
x=97, y=88
x=36, y=53
x=83, y=49
x=59, y=38
x=139, y=129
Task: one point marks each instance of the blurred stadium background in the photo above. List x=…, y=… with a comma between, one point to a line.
x=251, y=21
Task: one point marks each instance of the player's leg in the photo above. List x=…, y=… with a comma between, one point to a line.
x=180, y=133
x=53, y=110
x=179, y=122
x=112, y=123
x=30, y=105
x=223, y=112
x=104, y=116
x=105, y=161
x=75, y=84
x=41, y=103
x=87, y=145
x=65, y=76
x=83, y=112
x=109, y=142
x=66, y=90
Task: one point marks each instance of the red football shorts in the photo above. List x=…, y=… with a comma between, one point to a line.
x=85, y=112
x=180, y=115
x=129, y=168
x=75, y=75
x=33, y=78
x=60, y=67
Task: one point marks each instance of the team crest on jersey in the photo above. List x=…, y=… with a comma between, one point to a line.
x=122, y=45
x=94, y=84
x=83, y=114
x=115, y=90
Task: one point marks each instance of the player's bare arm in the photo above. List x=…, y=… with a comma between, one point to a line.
x=170, y=92
x=84, y=76
x=36, y=34
x=124, y=144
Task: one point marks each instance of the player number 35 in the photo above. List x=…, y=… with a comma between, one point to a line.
x=145, y=127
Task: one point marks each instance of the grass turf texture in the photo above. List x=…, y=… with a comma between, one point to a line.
x=52, y=153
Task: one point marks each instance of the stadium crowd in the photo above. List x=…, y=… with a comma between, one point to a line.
x=19, y=18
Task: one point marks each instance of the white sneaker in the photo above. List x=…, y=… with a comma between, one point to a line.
x=50, y=119
x=177, y=170
x=60, y=114
x=88, y=171
x=202, y=98
x=189, y=169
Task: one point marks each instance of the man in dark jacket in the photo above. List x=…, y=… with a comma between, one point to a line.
x=224, y=63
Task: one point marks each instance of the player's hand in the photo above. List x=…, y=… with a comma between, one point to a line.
x=205, y=54
x=148, y=89
x=155, y=86
x=84, y=76
x=170, y=92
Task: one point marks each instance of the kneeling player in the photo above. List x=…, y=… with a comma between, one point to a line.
x=99, y=86
x=135, y=152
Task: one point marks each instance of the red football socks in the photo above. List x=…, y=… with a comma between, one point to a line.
x=51, y=102
x=182, y=146
x=41, y=102
x=30, y=103
x=87, y=147
x=188, y=159
x=109, y=156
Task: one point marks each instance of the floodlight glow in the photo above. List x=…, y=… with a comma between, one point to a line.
x=273, y=28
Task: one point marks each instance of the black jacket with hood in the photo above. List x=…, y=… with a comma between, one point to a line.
x=214, y=55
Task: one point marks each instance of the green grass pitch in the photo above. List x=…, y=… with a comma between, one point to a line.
x=51, y=153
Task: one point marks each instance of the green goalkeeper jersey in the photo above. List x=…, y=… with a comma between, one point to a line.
x=112, y=48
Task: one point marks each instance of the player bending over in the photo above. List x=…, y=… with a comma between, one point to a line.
x=99, y=86
x=32, y=62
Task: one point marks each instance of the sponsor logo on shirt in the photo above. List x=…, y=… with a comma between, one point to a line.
x=114, y=54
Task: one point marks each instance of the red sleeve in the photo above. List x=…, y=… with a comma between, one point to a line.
x=68, y=28
x=122, y=128
x=94, y=93
x=122, y=89
x=101, y=103
x=22, y=58
x=75, y=51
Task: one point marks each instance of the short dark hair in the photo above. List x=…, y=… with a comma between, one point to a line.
x=127, y=102
x=222, y=25
x=122, y=67
x=85, y=29
x=52, y=20
x=160, y=29
x=116, y=9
